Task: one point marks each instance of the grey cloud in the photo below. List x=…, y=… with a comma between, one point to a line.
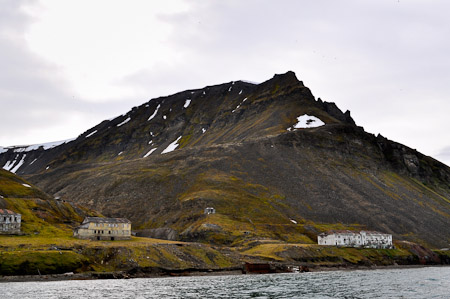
x=34, y=98
x=386, y=61
x=444, y=155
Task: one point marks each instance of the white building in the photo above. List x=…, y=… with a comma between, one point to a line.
x=99, y=228
x=209, y=210
x=373, y=239
x=368, y=239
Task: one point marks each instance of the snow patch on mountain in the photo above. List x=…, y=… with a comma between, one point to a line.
x=150, y=152
x=19, y=164
x=90, y=134
x=187, y=103
x=154, y=113
x=124, y=122
x=238, y=106
x=171, y=146
x=45, y=146
x=251, y=82
x=9, y=164
x=307, y=121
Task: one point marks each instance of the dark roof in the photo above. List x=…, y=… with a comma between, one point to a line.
x=345, y=231
x=7, y=212
x=342, y=231
x=85, y=225
x=372, y=232
x=105, y=220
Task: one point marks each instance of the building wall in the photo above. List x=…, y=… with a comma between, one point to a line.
x=362, y=239
x=344, y=239
x=376, y=240
x=10, y=224
x=326, y=240
x=104, y=231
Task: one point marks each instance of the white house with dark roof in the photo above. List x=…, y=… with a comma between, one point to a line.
x=367, y=239
x=9, y=222
x=100, y=228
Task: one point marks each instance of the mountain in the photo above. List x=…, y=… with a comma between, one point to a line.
x=42, y=214
x=225, y=113
x=273, y=161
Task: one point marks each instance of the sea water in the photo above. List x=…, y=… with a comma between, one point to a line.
x=428, y=282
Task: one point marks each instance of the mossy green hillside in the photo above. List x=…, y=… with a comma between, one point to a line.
x=329, y=255
x=331, y=177
x=26, y=262
x=23, y=255
x=46, y=217
x=32, y=255
x=13, y=186
x=41, y=214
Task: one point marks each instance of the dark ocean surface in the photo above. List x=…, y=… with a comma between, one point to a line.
x=429, y=282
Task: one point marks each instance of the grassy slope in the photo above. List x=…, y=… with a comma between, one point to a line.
x=330, y=177
x=47, y=245
x=12, y=186
x=44, y=221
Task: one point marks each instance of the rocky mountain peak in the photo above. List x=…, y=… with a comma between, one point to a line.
x=282, y=81
x=288, y=78
x=263, y=155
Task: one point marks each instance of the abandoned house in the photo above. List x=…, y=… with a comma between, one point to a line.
x=99, y=228
x=210, y=210
x=9, y=222
x=367, y=239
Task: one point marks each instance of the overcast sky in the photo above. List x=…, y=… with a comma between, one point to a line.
x=67, y=65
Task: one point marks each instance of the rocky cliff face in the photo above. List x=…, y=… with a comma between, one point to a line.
x=273, y=161
x=231, y=112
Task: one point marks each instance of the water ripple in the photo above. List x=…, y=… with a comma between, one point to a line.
x=431, y=282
